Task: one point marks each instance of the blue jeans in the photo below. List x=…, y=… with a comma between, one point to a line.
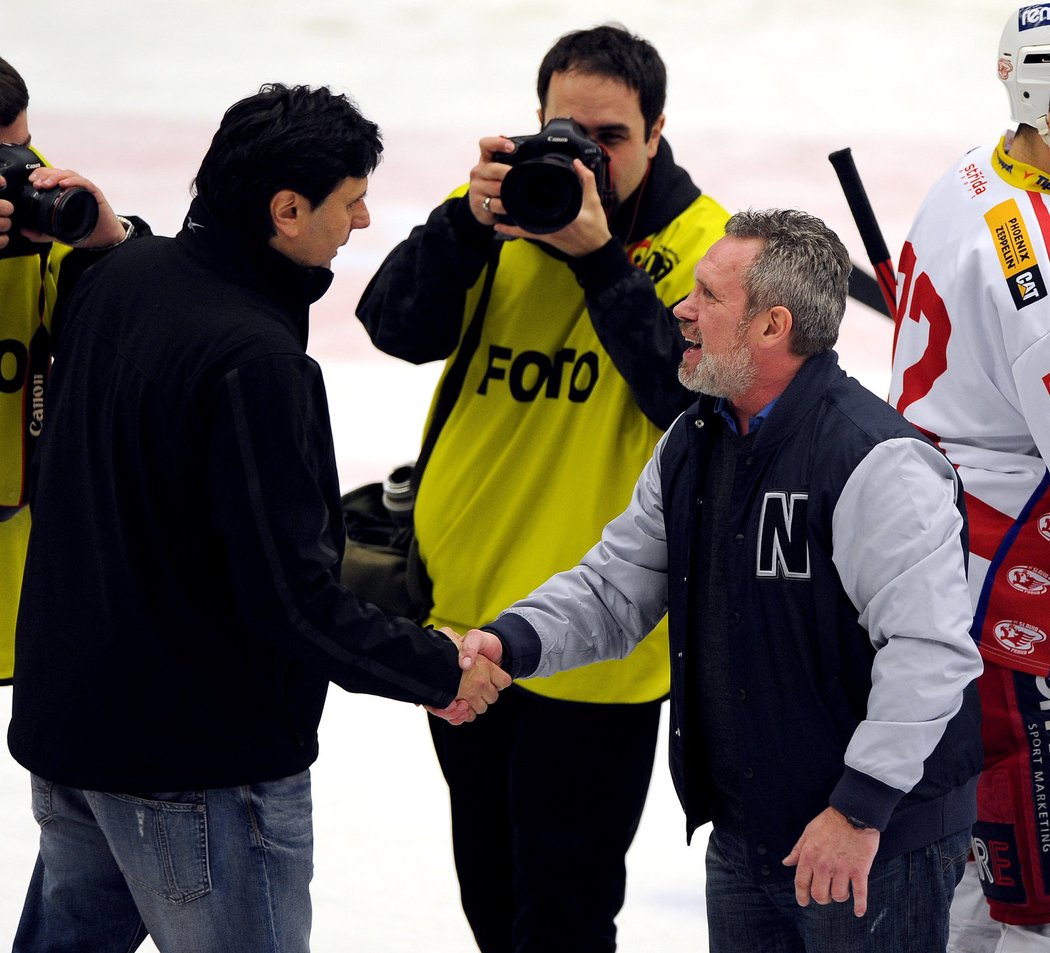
x=908, y=901
x=220, y=869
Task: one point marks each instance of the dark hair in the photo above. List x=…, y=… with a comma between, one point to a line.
x=610, y=50
x=298, y=138
x=803, y=266
x=14, y=97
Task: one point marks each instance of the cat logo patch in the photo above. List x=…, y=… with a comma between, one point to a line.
x=1015, y=253
x=1027, y=287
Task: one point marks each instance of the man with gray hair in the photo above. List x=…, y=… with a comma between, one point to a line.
x=809, y=547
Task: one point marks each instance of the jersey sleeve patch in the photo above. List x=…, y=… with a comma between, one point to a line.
x=1015, y=254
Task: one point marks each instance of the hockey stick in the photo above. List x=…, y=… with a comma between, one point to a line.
x=864, y=288
x=867, y=225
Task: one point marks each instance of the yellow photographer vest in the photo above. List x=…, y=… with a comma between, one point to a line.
x=543, y=448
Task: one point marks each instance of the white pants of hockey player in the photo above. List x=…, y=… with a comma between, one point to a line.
x=972, y=930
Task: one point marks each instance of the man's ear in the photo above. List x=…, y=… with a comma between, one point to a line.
x=654, y=136
x=775, y=328
x=285, y=212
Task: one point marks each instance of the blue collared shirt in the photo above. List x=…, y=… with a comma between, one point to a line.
x=753, y=423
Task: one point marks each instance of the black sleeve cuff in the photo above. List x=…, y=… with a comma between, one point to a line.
x=466, y=227
x=865, y=798
x=521, y=644
x=602, y=268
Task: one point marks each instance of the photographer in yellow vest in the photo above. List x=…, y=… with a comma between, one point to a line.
x=45, y=213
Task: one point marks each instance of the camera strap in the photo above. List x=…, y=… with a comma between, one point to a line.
x=457, y=373
x=38, y=366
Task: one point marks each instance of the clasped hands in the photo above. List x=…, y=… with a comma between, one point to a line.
x=482, y=680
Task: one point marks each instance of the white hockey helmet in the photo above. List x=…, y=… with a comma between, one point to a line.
x=1024, y=65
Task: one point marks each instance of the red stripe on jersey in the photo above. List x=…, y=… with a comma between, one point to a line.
x=988, y=527
x=1042, y=215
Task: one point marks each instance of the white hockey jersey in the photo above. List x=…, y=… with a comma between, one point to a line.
x=971, y=368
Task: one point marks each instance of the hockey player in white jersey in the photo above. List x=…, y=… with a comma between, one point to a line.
x=971, y=367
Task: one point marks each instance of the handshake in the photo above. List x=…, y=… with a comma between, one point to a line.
x=479, y=656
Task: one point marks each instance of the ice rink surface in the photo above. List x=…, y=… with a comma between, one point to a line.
x=129, y=93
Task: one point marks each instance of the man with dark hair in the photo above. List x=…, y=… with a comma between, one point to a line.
x=14, y=95
x=562, y=400
x=808, y=547
x=185, y=493
x=34, y=269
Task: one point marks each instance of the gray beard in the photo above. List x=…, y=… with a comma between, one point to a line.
x=728, y=375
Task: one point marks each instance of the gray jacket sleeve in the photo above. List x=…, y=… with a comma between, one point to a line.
x=603, y=607
x=900, y=558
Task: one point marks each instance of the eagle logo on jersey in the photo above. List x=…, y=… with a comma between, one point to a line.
x=1043, y=525
x=658, y=261
x=1019, y=638
x=1029, y=580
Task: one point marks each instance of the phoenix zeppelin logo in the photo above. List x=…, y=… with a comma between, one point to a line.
x=1015, y=253
x=1028, y=18
x=1029, y=580
x=1006, y=67
x=1018, y=638
x=1043, y=525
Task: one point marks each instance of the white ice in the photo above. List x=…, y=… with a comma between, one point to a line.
x=128, y=92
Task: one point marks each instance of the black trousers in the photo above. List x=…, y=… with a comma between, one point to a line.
x=546, y=797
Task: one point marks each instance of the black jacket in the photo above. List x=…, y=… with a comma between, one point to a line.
x=181, y=614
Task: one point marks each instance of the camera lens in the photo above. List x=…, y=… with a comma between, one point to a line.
x=398, y=495
x=68, y=214
x=542, y=195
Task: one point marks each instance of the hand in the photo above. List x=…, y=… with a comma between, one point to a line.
x=588, y=232
x=833, y=856
x=480, y=684
x=479, y=643
x=108, y=231
x=6, y=211
x=486, y=178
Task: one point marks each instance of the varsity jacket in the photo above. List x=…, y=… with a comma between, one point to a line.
x=181, y=612
x=30, y=284
x=852, y=663
x=570, y=386
x=971, y=367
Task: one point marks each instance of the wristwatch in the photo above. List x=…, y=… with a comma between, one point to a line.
x=129, y=230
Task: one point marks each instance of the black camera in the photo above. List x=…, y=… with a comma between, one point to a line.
x=542, y=193
x=70, y=215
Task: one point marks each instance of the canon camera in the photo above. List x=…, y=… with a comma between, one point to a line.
x=542, y=193
x=70, y=215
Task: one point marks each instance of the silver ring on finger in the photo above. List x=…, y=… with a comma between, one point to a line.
x=486, y=205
